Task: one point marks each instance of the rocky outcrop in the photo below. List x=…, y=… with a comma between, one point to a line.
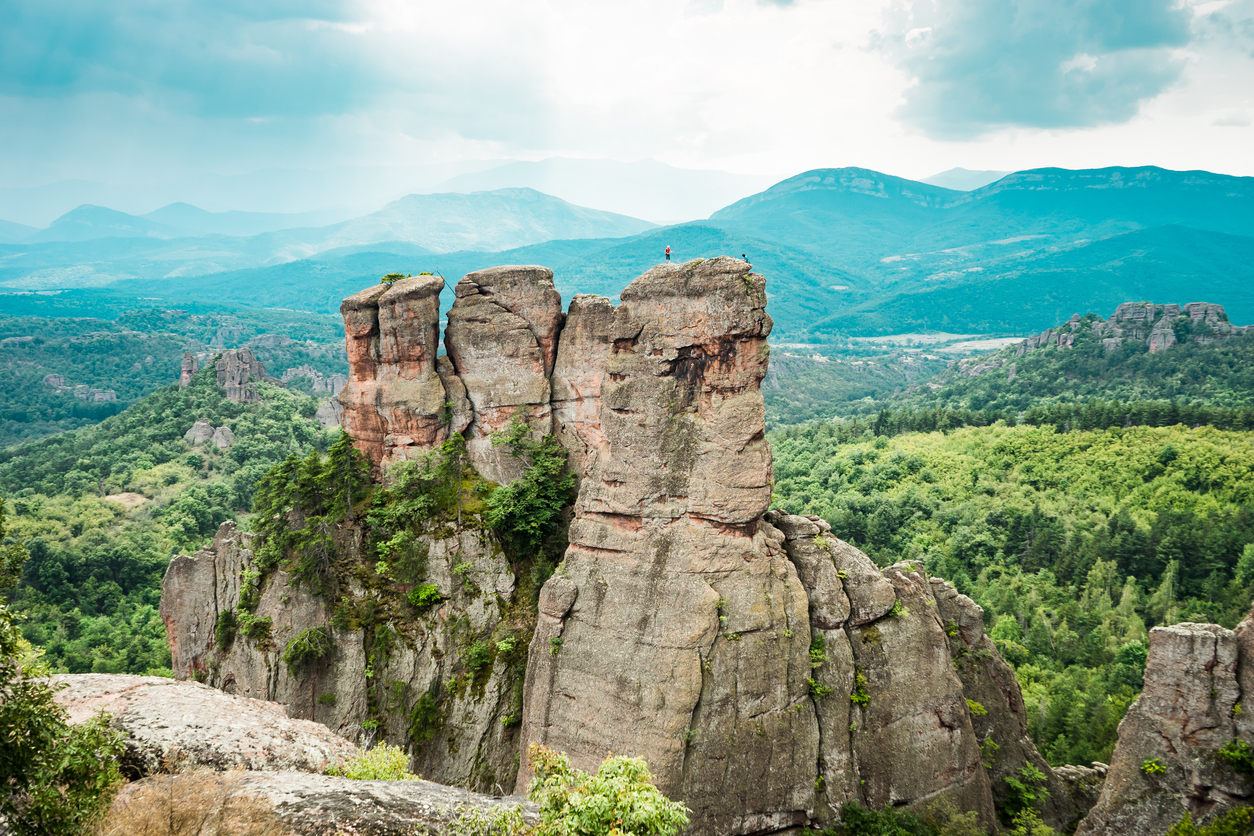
x=238, y=372
x=318, y=382
x=384, y=658
x=1154, y=325
x=1166, y=762
x=767, y=671
x=394, y=399
x=189, y=369
x=323, y=805
x=202, y=432
x=502, y=342
x=168, y=724
x=998, y=715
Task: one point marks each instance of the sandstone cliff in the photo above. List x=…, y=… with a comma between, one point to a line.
x=1154, y=325
x=766, y=670
x=1198, y=680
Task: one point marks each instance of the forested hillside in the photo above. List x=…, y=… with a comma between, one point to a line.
x=1075, y=543
x=102, y=509
x=60, y=372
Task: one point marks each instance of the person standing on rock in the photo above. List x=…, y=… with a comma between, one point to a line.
x=668, y=252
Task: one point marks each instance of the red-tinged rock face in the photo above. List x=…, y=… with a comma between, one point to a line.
x=394, y=399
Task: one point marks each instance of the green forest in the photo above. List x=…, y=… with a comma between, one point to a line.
x=102, y=509
x=133, y=355
x=1075, y=543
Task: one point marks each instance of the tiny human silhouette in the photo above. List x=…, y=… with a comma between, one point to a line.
x=668, y=253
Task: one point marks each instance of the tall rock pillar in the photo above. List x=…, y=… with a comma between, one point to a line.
x=674, y=629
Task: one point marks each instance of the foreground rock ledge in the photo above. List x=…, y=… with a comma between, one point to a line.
x=168, y=723
x=322, y=805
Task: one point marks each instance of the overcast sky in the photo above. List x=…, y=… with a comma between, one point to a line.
x=143, y=90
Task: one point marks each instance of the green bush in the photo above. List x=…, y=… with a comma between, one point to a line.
x=1238, y=755
x=224, y=630
x=57, y=778
x=1153, y=766
x=425, y=596
x=620, y=798
x=1235, y=822
x=527, y=513
x=309, y=647
x=382, y=763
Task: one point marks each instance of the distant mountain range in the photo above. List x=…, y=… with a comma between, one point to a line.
x=847, y=251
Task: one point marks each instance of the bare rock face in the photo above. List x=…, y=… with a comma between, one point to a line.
x=394, y=398
x=189, y=369
x=1166, y=763
x=238, y=370
x=466, y=739
x=167, y=723
x=1000, y=722
x=502, y=341
x=578, y=374
x=668, y=582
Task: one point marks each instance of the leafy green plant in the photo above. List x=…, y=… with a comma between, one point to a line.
x=253, y=626
x=860, y=697
x=818, y=650
x=555, y=645
x=382, y=763
x=57, y=778
x=976, y=709
x=527, y=513
x=817, y=689
x=1153, y=766
x=1236, y=822
x=1239, y=755
x=224, y=630
x=425, y=596
x=312, y=645
x=620, y=798
x=1024, y=791
x=478, y=656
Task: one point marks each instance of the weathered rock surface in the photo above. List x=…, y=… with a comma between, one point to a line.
x=323, y=805
x=394, y=398
x=578, y=373
x=1001, y=726
x=502, y=342
x=1185, y=714
x=463, y=739
x=238, y=372
x=200, y=432
x=171, y=724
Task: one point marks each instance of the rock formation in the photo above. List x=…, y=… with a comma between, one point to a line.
x=1155, y=325
x=168, y=724
x=767, y=671
x=1166, y=764
x=394, y=400
x=238, y=370
x=202, y=432
x=189, y=369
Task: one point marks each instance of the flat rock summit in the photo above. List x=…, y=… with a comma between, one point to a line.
x=766, y=670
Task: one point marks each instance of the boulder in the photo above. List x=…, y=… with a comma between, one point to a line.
x=323, y=805
x=200, y=433
x=169, y=724
x=223, y=438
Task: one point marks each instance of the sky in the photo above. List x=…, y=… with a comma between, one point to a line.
x=149, y=90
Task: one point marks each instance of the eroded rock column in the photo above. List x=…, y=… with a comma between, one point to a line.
x=502, y=341
x=675, y=629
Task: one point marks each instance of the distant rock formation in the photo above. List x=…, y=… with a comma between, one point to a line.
x=203, y=432
x=81, y=391
x=1198, y=678
x=767, y=671
x=319, y=383
x=238, y=371
x=1152, y=324
x=189, y=369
